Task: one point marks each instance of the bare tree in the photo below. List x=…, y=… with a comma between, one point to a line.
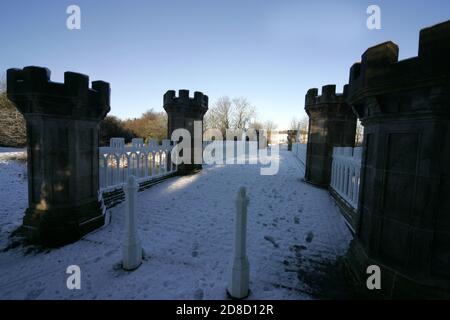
x=243, y=113
x=255, y=124
x=295, y=124
x=301, y=126
x=229, y=114
x=220, y=115
x=270, y=126
x=304, y=124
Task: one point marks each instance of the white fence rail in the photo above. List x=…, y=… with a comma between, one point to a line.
x=345, y=173
x=145, y=162
x=299, y=150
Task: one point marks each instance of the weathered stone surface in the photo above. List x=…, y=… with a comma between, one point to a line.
x=332, y=123
x=182, y=111
x=62, y=139
x=404, y=202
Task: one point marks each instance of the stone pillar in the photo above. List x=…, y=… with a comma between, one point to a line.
x=261, y=138
x=62, y=139
x=182, y=111
x=291, y=137
x=404, y=199
x=332, y=123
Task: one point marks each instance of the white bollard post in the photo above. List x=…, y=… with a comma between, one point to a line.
x=132, y=249
x=239, y=280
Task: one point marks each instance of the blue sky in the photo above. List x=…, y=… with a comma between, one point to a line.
x=270, y=51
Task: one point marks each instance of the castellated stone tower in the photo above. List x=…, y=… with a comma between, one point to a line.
x=62, y=137
x=331, y=123
x=182, y=111
x=404, y=203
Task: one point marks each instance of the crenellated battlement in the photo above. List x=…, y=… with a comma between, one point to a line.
x=331, y=122
x=73, y=97
x=404, y=107
x=187, y=113
x=328, y=95
x=380, y=68
x=62, y=138
x=183, y=100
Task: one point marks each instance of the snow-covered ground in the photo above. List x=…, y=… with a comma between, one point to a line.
x=13, y=192
x=296, y=238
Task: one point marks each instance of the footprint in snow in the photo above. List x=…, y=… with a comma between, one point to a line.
x=34, y=294
x=309, y=237
x=109, y=253
x=271, y=240
x=195, y=250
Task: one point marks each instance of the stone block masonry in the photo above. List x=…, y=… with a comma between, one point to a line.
x=332, y=123
x=62, y=122
x=182, y=112
x=404, y=199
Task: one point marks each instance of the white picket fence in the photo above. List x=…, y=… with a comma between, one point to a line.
x=299, y=150
x=144, y=161
x=345, y=173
